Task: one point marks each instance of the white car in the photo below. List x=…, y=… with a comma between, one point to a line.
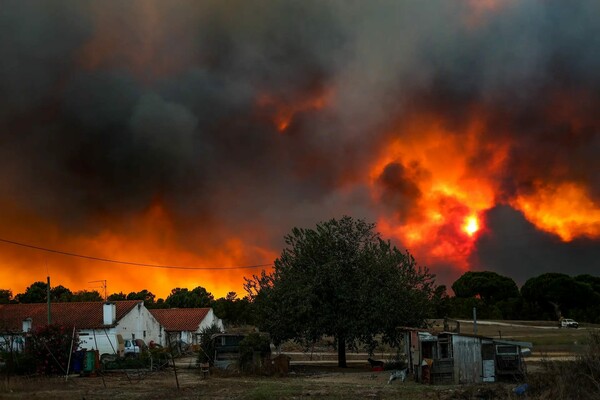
x=568, y=323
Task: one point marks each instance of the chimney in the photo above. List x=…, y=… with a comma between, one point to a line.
x=27, y=322
x=109, y=313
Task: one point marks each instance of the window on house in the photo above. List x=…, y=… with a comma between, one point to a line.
x=144, y=334
x=133, y=336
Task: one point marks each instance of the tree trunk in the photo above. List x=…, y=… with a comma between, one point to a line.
x=342, y=352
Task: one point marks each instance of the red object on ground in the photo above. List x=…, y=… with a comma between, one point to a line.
x=377, y=369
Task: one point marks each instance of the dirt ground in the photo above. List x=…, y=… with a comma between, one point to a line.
x=313, y=375
x=303, y=382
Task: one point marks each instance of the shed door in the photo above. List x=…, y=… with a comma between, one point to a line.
x=488, y=365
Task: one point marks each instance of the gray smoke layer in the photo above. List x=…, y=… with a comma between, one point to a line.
x=107, y=107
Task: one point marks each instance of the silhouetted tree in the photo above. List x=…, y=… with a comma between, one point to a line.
x=341, y=279
x=87, y=295
x=145, y=295
x=233, y=311
x=35, y=293
x=61, y=294
x=117, y=296
x=553, y=295
x=5, y=296
x=184, y=298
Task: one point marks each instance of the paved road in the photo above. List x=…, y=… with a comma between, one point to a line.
x=470, y=321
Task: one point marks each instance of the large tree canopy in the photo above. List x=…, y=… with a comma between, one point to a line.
x=487, y=285
x=340, y=279
x=184, y=298
x=557, y=294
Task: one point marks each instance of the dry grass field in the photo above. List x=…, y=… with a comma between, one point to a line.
x=322, y=383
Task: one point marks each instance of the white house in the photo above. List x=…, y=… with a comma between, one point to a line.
x=97, y=323
x=184, y=324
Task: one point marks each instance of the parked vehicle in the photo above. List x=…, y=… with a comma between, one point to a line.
x=130, y=348
x=568, y=323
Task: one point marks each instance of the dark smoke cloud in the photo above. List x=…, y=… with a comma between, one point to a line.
x=513, y=247
x=171, y=111
x=400, y=187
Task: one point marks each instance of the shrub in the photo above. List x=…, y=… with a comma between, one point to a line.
x=579, y=379
x=50, y=346
x=206, y=352
x=254, y=343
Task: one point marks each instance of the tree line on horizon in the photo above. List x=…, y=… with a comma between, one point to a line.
x=231, y=308
x=546, y=297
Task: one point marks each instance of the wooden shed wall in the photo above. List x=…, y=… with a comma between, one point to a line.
x=467, y=359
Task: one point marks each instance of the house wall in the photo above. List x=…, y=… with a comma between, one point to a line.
x=210, y=319
x=137, y=324
x=467, y=359
x=140, y=324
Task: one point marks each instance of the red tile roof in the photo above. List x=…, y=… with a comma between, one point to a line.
x=85, y=315
x=180, y=319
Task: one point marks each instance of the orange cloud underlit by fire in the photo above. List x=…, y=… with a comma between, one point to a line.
x=149, y=238
x=444, y=222
x=564, y=209
x=446, y=219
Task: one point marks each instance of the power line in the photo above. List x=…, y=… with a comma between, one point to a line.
x=137, y=264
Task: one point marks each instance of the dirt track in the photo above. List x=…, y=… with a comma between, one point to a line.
x=306, y=382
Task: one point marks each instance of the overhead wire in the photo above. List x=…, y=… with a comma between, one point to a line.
x=131, y=263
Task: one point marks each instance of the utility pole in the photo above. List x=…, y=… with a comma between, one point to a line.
x=103, y=282
x=48, y=300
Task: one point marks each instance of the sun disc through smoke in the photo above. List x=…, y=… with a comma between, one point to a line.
x=471, y=225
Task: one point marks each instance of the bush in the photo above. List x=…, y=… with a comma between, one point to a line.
x=206, y=352
x=579, y=379
x=50, y=346
x=254, y=343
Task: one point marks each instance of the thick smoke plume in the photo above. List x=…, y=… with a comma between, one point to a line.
x=200, y=133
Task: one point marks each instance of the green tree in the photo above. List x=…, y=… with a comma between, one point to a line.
x=87, y=295
x=5, y=296
x=183, y=298
x=61, y=294
x=486, y=285
x=440, y=302
x=340, y=279
x=233, y=311
x=145, y=295
x=553, y=295
x=35, y=293
x=499, y=295
x=117, y=297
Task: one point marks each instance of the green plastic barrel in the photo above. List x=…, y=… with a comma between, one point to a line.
x=89, y=363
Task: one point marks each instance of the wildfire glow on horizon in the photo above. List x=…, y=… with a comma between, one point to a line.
x=198, y=135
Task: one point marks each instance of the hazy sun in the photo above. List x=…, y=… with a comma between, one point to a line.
x=471, y=225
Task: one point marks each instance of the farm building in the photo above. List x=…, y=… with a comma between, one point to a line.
x=450, y=357
x=98, y=324
x=183, y=325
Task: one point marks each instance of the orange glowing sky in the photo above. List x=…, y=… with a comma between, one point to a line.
x=198, y=135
